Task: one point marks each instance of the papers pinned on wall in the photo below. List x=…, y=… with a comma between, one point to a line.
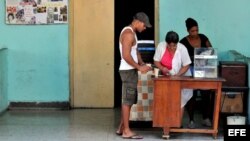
x=36, y=12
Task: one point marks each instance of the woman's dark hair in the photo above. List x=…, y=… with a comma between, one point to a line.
x=190, y=23
x=172, y=37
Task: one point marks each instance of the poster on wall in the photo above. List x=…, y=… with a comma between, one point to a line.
x=36, y=11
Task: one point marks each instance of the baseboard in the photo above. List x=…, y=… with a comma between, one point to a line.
x=39, y=105
x=3, y=112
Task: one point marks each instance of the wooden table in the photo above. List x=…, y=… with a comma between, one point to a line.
x=167, y=102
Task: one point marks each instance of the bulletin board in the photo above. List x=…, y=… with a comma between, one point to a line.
x=31, y=12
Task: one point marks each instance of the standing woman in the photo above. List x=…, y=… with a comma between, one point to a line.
x=196, y=40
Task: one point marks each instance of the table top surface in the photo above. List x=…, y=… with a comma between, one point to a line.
x=185, y=78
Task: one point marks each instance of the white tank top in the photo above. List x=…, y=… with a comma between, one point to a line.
x=123, y=64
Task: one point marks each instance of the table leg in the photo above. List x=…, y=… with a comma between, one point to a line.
x=166, y=131
x=216, y=111
x=215, y=135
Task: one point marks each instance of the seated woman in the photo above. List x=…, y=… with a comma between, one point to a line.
x=172, y=58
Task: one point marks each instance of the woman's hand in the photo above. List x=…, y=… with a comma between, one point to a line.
x=165, y=71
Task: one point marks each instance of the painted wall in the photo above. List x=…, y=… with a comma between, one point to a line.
x=225, y=22
x=38, y=67
x=3, y=79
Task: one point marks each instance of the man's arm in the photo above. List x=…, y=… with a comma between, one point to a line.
x=127, y=40
x=140, y=61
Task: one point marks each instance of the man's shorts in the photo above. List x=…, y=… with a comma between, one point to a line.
x=129, y=86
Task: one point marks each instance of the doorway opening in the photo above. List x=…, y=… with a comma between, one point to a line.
x=124, y=12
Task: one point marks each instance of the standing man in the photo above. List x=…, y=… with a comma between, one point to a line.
x=131, y=62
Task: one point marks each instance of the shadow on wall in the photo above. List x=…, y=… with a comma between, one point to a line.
x=3, y=79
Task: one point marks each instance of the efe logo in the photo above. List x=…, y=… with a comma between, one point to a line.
x=236, y=132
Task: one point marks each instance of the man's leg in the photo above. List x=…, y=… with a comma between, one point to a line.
x=129, y=97
x=119, y=131
x=125, y=115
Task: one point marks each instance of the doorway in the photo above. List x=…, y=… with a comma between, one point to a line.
x=124, y=12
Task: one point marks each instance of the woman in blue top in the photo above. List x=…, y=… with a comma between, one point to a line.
x=196, y=40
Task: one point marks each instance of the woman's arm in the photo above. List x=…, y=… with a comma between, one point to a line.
x=163, y=69
x=183, y=70
x=208, y=44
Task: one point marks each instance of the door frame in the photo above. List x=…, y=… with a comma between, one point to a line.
x=71, y=52
x=71, y=44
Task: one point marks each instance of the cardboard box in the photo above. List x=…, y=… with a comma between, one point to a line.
x=232, y=102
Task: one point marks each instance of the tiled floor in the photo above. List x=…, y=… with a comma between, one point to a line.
x=77, y=125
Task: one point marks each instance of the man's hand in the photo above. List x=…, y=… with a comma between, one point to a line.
x=144, y=69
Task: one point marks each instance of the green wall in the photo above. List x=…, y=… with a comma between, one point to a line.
x=38, y=66
x=3, y=79
x=225, y=22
